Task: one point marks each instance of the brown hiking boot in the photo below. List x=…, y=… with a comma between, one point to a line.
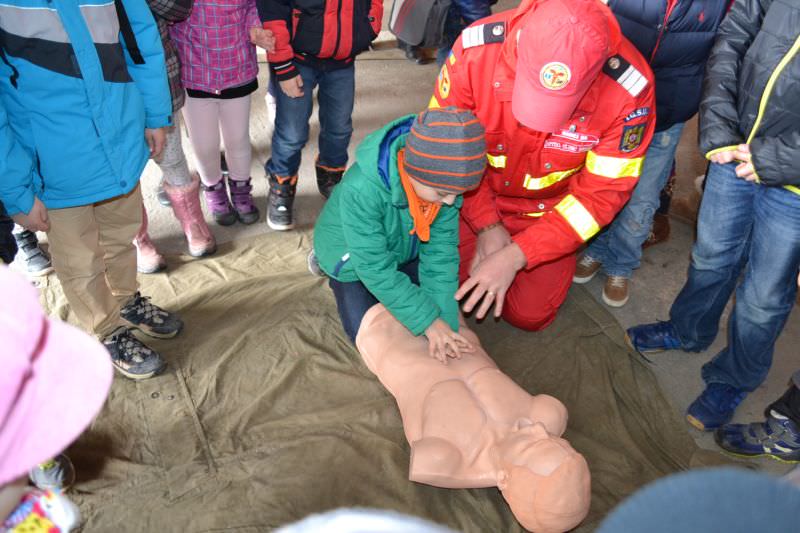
x=615, y=291
x=586, y=269
x=660, y=231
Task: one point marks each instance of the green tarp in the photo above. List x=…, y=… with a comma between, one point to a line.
x=267, y=413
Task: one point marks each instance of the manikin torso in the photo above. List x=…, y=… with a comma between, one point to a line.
x=453, y=415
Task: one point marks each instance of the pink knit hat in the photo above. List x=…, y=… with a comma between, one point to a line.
x=54, y=379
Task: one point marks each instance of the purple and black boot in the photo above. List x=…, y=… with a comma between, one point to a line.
x=217, y=202
x=242, y=198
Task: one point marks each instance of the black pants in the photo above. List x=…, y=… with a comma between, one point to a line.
x=8, y=245
x=788, y=405
x=353, y=300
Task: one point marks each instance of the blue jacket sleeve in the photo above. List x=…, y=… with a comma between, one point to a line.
x=16, y=171
x=151, y=75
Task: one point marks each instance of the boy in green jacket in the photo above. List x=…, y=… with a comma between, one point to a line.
x=389, y=232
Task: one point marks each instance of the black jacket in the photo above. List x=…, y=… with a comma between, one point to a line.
x=675, y=36
x=751, y=93
x=326, y=34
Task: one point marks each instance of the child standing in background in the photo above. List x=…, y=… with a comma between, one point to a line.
x=316, y=42
x=219, y=69
x=178, y=187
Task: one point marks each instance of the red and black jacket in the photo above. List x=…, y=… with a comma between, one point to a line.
x=324, y=33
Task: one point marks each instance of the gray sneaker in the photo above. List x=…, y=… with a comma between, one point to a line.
x=37, y=261
x=57, y=475
x=150, y=319
x=131, y=357
x=313, y=265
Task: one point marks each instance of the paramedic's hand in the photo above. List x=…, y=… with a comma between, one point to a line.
x=36, y=219
x=262, y=38
x=723, y=157
x=745, y=169
x=491, y=280
x=292, y=87
x=156, y=139
x=489, y=242
x=443, y=342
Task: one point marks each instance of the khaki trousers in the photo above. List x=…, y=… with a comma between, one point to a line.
x=94, y=258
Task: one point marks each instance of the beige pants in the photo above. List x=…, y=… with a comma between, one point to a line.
x=94, y=258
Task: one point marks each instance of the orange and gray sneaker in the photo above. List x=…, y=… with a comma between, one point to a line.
x=586, y=269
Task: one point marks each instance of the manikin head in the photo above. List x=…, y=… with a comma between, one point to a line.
x=543, y=479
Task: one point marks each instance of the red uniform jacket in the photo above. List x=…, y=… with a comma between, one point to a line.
x=553, y=191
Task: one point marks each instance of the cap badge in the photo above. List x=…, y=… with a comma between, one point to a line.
x=555, y=76
x=613, y=63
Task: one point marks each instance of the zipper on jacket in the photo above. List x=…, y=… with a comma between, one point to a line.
x=338, y=267
x=338, y=28
x=414, y=246
x=663, y=29
x=762, y=106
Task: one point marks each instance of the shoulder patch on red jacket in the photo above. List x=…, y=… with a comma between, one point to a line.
x=481, y=34
x=621, y=71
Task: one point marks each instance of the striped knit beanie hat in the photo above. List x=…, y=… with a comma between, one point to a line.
x=446, y=149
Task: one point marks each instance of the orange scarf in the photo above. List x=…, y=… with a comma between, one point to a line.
x=422, y=213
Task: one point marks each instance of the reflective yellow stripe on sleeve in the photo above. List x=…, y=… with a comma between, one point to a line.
x=614, y=167
x=793, y=188
x=578, y=217
x=434, y=103
x=497, y=161
x=537, y=184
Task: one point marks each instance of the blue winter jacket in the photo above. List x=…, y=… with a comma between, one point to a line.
x=75, y=100
x=675, y=36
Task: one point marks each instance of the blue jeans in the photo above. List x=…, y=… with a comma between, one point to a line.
x=335, y=97
x=619, y=247
x=741, y=227
x=353, y=299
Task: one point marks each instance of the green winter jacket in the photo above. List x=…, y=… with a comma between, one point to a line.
x=363, y=235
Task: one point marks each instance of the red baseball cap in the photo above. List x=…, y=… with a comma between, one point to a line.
x=561, y=49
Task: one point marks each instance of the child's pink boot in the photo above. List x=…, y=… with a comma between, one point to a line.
x=186, y=206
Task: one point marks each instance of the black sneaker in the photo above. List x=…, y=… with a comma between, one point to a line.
x=279, y=202
x=327, y=178
x=150, y=319
x=131, y=356
x=37, y=261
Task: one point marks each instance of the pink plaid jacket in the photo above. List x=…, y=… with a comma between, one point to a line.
x=214, y=45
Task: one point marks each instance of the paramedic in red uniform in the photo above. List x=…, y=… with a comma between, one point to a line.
x=568, y=108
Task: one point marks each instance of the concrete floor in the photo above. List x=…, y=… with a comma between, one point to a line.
x=389, y=86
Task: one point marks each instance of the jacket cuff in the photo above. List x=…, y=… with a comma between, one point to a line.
x=23, y=204
x=285, y=70
x=156, y=122
x=527, y=248
x=721, y=149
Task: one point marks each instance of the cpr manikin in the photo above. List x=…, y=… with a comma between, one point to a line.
x=470, y=426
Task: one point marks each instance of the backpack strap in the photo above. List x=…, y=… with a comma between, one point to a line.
x=127, y=34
